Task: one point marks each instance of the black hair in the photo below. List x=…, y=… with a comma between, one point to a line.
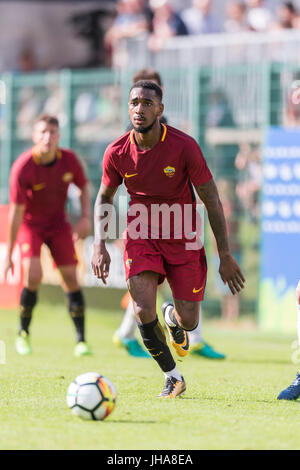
x=149, y=86
x=290, y=6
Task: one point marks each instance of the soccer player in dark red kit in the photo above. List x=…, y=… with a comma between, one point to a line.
x=159, y=165
x=39, y=182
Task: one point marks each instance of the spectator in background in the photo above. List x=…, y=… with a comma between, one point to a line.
x=258, y=17
x=235, y=21
x=230, y=307
x=291, y=112
x=147, y=74
x=248, y=162
x=165, y=24
x=220, y=114
x=286, y=16
x=132, y=20
x=296, y=20
x=199, y=19
x=26, y=61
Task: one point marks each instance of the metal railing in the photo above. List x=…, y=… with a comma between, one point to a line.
x=212, y=50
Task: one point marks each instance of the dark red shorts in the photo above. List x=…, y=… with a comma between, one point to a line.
x=58, y=239
x=184, y=269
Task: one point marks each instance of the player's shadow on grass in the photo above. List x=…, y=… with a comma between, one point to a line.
x=189, y=398
x=252, y=400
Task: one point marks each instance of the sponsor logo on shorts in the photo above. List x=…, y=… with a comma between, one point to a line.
x=195, y=291
x=169, y=171
x=37, y=187
x=67, y=177
x=25, y=247
x=131, y=175
x=128, y=262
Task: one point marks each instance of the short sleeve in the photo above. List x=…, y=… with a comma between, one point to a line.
x=17, y=185
x=110, y=177
x=197, y=168
x=79, y=175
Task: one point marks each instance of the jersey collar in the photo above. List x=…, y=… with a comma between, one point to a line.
x=131, y=136
x=36, y=158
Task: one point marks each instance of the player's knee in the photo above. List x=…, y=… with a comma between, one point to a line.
x=73, y=286
x=70, y=280
x=188, y=315
x=145, y=313
x=34, y=280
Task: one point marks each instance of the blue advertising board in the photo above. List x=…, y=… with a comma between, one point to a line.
x=280, y=230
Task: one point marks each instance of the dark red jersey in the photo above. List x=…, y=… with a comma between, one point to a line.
x=160, y=175
x=43, y=188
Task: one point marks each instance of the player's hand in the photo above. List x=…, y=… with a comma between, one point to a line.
x=8, y=266
x=101, y=262
x=82, y=228
x=231, y=274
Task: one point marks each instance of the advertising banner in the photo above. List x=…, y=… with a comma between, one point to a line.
x=10, y=288
x=280, y=231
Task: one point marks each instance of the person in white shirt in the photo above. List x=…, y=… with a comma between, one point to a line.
x=258, y=17
x=235, y=20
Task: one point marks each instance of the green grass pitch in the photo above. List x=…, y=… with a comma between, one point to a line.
x=228, y=405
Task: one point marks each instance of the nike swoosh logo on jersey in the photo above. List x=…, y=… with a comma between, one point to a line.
x=195, y=291
x=130, y=176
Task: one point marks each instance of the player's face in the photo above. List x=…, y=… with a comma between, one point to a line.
x=145, y=108
x=46, y=137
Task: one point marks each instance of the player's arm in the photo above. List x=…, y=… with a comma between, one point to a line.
x=102, y=213
x=83, y=226
x=15, y=217
x=229, y=270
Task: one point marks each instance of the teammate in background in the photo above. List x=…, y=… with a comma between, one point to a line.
x=159, y=163
x=292, y=392
x=125, y=336
x=39, y=182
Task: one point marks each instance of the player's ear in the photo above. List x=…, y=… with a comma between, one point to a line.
x=161, y=109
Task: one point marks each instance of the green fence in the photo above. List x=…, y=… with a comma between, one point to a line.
x=225, y=109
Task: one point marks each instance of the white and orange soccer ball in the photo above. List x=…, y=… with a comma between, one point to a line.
x=91, y=396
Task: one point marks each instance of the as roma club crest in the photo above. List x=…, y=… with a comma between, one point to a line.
x=169, y=171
